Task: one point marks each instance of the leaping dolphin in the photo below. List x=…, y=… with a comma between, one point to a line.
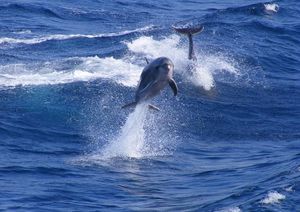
x=189, y=30
x=155, y=76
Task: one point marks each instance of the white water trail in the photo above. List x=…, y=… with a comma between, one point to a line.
x=130, y=142
x=144, y=134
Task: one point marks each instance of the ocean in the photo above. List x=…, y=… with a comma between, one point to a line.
x=229, y=141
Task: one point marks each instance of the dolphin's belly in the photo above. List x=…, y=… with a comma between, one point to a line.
x=150, y=90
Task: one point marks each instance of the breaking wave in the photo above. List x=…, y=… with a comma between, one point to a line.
x=273, y=197
x=7, y=40
x=271, y=8
x=90, y=68
x=124, y=70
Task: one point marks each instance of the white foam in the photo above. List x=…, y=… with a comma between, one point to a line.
x=231, y=209
x=273, y=197
x=272, y=7
x=202, y=75
x=289, y=189
x=152, y=48
x=126, y=70
x=90, y=68
x=37, y=40
x=24, y=31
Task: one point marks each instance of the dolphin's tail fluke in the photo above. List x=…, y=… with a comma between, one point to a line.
x=133, y=104
x=189, y=30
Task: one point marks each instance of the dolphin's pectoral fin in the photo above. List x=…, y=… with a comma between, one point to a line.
x=153, y=107
x=174, y=87
x=132, y=104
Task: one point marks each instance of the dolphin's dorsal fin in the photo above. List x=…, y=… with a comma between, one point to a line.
x=147, y=61
x=173, y=85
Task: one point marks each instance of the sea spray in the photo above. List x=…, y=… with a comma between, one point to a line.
x=145, y=134
x=130, y=141
x=205, y=71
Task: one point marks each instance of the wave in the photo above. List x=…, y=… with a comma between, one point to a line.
x=230, y=209
x=29, y=8
x=273, y=197
x=89, y=68
x=23, y=31
x=265, y=26
x=256, y=9
x=125, y=70
x=7, y=40
x=271, y=8
x=59, y=12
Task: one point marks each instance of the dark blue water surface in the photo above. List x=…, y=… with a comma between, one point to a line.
x=230, y=140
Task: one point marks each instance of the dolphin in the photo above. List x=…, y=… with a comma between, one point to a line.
x=189, y=30
x=154, y=77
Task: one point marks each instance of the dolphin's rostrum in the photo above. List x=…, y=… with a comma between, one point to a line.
x=155, y=76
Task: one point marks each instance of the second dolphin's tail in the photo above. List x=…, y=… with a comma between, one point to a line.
x=189, y=30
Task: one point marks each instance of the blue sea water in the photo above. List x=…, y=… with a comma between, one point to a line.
x=230, y=140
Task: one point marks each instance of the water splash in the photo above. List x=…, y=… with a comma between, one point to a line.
x=130, y=142
x=145, y=134
x=204, y=72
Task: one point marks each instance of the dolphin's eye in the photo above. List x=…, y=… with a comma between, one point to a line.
x=166, y=66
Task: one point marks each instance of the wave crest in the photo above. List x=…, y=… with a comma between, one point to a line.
x=8, y=40
x=126, y=70
x=89, y=68
x=273, y=197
